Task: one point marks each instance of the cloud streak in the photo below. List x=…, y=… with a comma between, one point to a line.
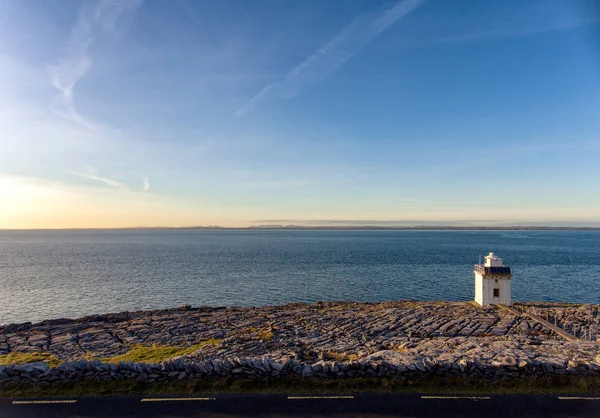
x=76, y=61
x=279, y=183
x=113, y=184
x=332, y=55
x=107, y=182
x=517, y=32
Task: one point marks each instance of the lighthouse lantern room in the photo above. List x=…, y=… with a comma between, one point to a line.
x=492, y=282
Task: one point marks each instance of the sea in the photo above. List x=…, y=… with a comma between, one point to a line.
x=73, y=273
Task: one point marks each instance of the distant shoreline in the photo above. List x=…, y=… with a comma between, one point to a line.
x=333, y=228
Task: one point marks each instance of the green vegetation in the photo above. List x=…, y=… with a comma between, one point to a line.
x=23, y=358
x=437, y=385
x=157, y=353
x=332, y=355
x=255, y=334
x=137, y=353
x=264, y=334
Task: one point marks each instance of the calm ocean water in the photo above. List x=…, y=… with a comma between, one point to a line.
x=55, y=274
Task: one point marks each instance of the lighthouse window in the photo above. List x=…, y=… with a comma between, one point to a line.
x=496, y=293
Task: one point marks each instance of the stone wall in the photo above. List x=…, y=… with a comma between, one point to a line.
x=379, y=364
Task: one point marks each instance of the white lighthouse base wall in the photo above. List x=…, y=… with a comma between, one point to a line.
x=505, y=289
x=492, y=290
x=479, y=289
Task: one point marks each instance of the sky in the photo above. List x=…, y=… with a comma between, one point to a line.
x=123, y=113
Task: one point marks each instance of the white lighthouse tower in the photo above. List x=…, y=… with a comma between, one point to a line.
x=492, y=282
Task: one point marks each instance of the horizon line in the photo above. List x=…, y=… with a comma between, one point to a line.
x=329, y=227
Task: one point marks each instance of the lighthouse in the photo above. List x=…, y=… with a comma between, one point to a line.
x=492, y=282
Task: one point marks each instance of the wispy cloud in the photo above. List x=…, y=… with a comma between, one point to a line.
x=517, y=32
x=332, y=55
x=93, y=175
x=106, y=181
x=278, y=183
x=503, y=21
x=76, y=61
x=261, y=95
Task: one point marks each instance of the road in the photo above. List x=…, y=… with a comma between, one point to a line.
x=359, y=405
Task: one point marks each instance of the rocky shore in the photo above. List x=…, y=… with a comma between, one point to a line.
x=320, y=341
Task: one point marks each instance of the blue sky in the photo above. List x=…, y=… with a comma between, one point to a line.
x=188, y=112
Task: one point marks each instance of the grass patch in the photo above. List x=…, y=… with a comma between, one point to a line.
x=264, y=334
x=157, y=353
x=431, y=385
x=138, y=353
x=211, y=341
x=250, y=334
x=24, y=358
x=339, y=357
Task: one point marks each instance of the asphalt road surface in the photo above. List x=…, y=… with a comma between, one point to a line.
x=359, y=405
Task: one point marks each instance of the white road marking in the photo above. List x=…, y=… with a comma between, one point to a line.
x=319, y=397
x=578, y=398
x=456, y=397
x=43, y=402
x=175, y=399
